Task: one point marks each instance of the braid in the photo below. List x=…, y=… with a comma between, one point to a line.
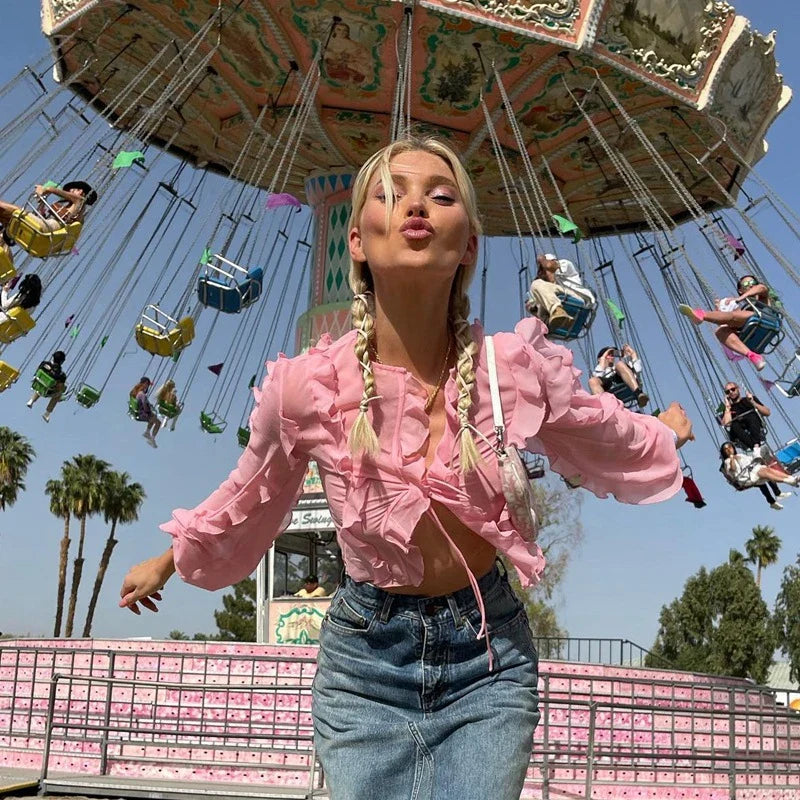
x=362, y=437
x=466, y=350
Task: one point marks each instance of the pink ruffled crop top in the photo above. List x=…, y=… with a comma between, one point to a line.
x=306, y=406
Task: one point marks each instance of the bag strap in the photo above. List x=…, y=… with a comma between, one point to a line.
x=494, y=391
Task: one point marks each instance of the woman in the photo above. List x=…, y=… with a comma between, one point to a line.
x=27, y=296
x=427, y=671
x=144, y=411
x=747, y=471
x=731, y=315
x=167, y=395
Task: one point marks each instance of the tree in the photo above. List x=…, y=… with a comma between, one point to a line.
x=720, y=625
x=762, y=549
x=787, y=617
x=84, y=477
x=560, y=534
x=16, y=455
x=237, y=619
x=121, y=502
x=60, y=507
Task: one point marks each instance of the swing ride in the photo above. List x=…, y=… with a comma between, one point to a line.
x=619, y=134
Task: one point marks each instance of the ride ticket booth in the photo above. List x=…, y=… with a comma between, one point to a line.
x=307, y=547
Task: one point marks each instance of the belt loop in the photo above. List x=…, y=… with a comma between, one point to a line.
x=455, y=611
x=387, y=607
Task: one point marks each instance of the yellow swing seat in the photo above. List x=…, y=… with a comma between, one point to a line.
x=161, y=335
x=29, y=230
x=7, y=271
x=8, y=375
x=18, y=323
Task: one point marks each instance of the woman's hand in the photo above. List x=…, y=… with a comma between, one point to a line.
x=143, y=582
x=675, y=418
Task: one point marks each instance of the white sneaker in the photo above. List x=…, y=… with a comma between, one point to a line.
x=150, y=440
x=29, y=404
x=46, y=416
x=776, y=506
x=792, y=480
x=784, y=495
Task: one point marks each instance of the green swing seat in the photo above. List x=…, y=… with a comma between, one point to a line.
x=43, y=383
x=87, y=395
x=168, y=410
x=211, y=422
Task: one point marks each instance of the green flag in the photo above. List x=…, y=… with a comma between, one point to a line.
x=252, y=382
x=206, y=257
x=103, y=341
x=617, y=312
x=74, y=332
x=127, y=158
x=50, y=185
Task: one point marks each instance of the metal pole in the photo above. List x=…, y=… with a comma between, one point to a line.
x=51, y=707
x=590, y=752
x=546, y=744
x=106, y=716
x=731, y=744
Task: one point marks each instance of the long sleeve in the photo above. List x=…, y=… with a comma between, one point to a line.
x=591, y=440
x=221, y=541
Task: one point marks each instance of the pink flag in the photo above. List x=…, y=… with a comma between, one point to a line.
x=283, y=199
x=735, y=245
x=731, y=356
x=768, y=385
x=68, y=320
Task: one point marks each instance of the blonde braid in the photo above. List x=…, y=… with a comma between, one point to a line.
x=466, y=350
x=362, y=437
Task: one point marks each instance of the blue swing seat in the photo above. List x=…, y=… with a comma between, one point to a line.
x=624, y=394
x=789, y=456
x=227, y=287
x=583, y=314
x=763, y=331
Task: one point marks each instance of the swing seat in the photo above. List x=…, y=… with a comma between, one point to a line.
x=168, y=410
x=624, y=394
x=583, y=315
x=220, y=289
x=87, y=395
x=7, y=271
x=243, y=437
x=44, y=383
x=789, y=456
x=211, y=422
x=28, y=229
x=8, y=375
x=763, y=331
x=163, y=336
x=566, y=227
x=133, y=409
x=18, y=323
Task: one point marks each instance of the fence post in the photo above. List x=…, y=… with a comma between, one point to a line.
x=51, y=709
x=544, y=701
x=107, y=715
x=590, y=752
x=731, y=744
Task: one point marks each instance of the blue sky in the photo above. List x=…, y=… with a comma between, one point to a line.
x=633, y=560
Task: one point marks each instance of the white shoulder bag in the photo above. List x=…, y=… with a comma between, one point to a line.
x=513, y=477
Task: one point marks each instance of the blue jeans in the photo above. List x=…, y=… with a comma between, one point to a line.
x=404, y=705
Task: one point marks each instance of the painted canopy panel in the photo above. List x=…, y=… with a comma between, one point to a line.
x=690, y=71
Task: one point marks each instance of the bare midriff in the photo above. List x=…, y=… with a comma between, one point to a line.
x=444, y=571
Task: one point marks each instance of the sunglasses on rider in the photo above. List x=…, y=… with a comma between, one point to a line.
x=746, y=284
x=731, y=390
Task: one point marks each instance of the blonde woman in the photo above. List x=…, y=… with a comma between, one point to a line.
x=427, y=670
x=168, y=396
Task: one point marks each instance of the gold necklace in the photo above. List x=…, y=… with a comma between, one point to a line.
x=434, y=394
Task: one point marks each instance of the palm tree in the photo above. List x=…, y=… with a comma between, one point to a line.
x=60, y=507
x=121, y=504
x=16, y=455
x=85, y=475
x=762, y=549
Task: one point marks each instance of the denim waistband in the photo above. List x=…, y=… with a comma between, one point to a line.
x=374, y=597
